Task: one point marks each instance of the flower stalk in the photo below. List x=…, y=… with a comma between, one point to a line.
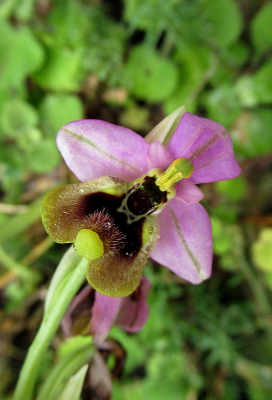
x=59, y=301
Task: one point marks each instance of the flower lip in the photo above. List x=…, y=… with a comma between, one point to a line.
x=91, y=206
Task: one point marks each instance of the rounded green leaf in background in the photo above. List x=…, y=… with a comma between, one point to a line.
x=16, y=117
x=20, y=55
x=194, y=64
x=43, y=157
x=223, y=21
x=222, y=104
x=57, y=110
x=245, y=90
x=258, y=130
x=153, y=77
x=235, y=55
x=61, y=70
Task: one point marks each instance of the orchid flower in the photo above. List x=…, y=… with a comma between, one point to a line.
x=138, y=198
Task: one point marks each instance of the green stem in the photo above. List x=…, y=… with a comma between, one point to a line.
x=50, y=323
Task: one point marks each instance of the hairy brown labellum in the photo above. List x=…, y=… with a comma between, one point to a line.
x=95, y=205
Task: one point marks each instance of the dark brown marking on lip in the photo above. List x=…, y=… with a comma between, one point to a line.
x=132, y=233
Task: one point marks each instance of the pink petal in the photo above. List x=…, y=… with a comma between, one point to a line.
x=104, y=313
x=185, y=246
x=188, y=192
x=208, y=145
x=93, y=148
x=158, y=157
x=134, y=310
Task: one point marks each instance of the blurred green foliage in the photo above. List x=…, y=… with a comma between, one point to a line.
x=130, y=62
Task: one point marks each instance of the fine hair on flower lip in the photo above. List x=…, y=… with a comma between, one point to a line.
x=102, y=223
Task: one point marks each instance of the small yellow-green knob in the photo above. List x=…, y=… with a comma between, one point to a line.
x=88, y=244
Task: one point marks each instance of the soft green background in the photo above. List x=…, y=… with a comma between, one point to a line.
x=133, y=62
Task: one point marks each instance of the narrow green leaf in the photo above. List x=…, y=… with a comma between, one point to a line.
x=66, y=367
x=73, y=387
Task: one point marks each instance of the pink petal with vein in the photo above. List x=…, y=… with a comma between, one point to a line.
x=93, y=148
x=208, y=145
x=185, y=246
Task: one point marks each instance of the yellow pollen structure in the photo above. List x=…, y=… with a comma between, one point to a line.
x=179, y=169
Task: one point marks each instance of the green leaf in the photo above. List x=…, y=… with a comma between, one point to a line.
x=223, y=21
x=72, y=344
x=235, y=189
x=261, y=32
x=195, y=65
x=70, y=23
x=262, y=82
x=25, y=10
x=50, y=323
x=153, y=77
x=235, y=55
x=62, y=70
x=65, y=368
x=222, y=105
x=245, y=89
x=262, y=250
x=152, y=16
x=221, y=239
x=17, y=117
x=254, y=89
x=6, y=7
x=134, y=117
x=73, y=387
x=258, y=129
x=57, y=110
x=43, y=157
x=20, y=55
